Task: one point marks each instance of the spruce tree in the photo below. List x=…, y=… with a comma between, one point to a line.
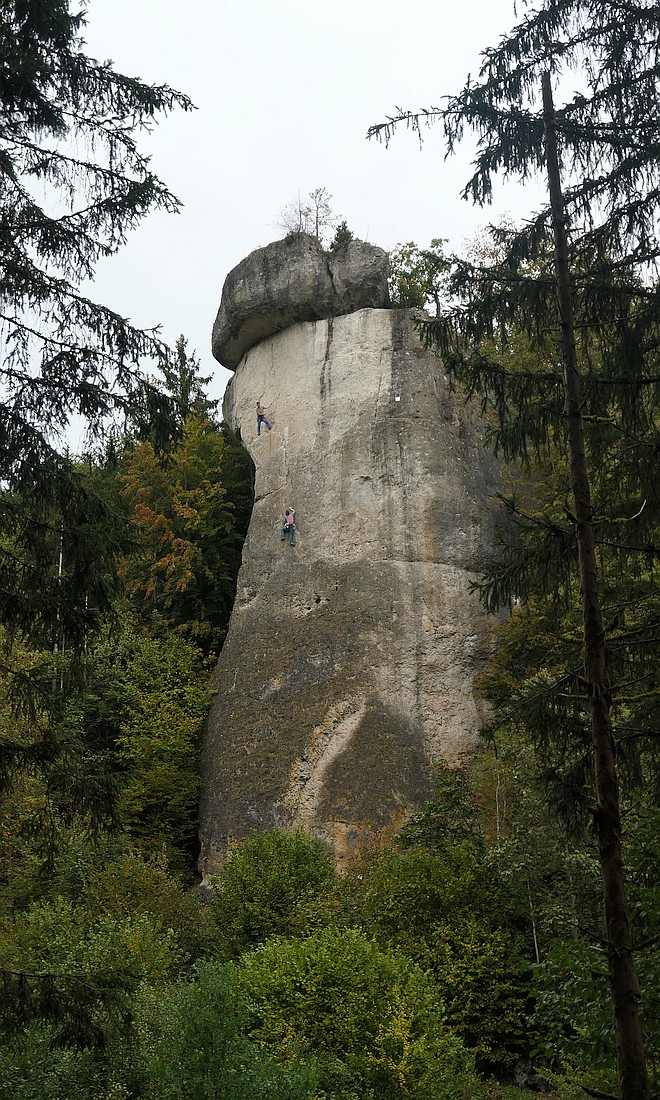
x=73, y=184
x=584, y=267
x=186, y=385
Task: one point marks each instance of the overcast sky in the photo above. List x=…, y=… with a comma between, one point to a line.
x=285, y=91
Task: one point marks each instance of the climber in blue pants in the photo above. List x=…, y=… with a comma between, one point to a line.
x=289, y=525
x=261, y=415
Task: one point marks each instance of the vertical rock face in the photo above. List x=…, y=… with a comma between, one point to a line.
x=349, y=662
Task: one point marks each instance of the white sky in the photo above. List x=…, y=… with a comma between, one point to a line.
x=285, y=91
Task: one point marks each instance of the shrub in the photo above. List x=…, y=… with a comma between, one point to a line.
x=54, y=936
x=407, y=894
x=192, y=1043
x=272, y=884
x=147, y=698
x=371, y=1020
x=129, y=886
x=67, y=996
x=445, y=910
x=481, y=975
x=36, y=1070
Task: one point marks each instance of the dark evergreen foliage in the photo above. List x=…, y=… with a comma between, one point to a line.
x=76, y=1004
x=74, y=183
x=609, y=136
x=595, y=246
x=342, y=236
x=185, y=384
x=610, y=130
x=609, y=139
x=449, y=818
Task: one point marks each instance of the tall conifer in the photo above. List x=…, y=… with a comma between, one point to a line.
x=584, y=267
x=73, y=183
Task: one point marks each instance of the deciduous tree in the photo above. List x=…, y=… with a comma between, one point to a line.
x=418, y=276
x=183, y=574
x=310, y=213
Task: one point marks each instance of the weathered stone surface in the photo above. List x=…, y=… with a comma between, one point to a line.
x=294, y=280
x=350, y=657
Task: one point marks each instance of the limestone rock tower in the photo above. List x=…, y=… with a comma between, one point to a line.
x=349, y=662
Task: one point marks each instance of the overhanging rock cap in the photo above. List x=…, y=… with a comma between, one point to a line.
x=295, y=280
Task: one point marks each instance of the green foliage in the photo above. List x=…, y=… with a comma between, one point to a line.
x=103, y=875
x=342, y=236
x=150, y=697
x=508, y=298
x=65, y=355
x=192, y=1042
x=238, y=481
x=447, y=911
x=372, y=1021
x=36, y=1070
x=76, y=974
x=573, y=1018
x=74, y=185
x=642, y=839
x=407, y=894
x=273, y=883
x=50, y=774
x=537, y=683
x=551, y=876
x=129, y=887
x=418, y=276
x=573, y=1022
x=186, y=385
x=19, y=856
x=59, y=544
x=124, y=750
x=70, y=969
x=66, y=1000
x=482, y=978
x=493, y=1090
x=58, y=937
x=449, y=817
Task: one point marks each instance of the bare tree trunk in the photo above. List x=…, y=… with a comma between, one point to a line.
x=533, y=919
x=624, y=983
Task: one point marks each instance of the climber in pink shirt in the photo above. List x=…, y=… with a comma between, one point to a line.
x=289, y=525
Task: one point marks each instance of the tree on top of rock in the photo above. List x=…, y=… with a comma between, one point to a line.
x=311, y=214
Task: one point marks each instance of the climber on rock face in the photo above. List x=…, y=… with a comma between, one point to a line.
x=261, y=415
x=289, y=525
